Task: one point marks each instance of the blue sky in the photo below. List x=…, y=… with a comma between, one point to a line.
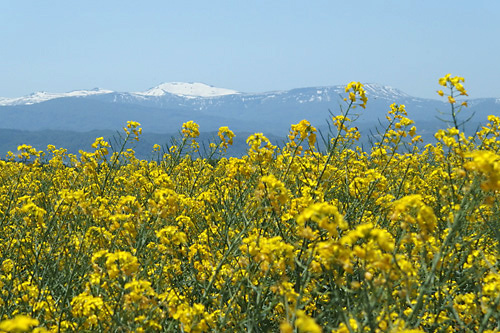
x=250, y=46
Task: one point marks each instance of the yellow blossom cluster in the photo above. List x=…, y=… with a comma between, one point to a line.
x=396, y=237
x=454, y=85
x=356, y=90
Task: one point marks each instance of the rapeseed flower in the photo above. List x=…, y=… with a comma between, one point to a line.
x=19, y=323
x=392, y=238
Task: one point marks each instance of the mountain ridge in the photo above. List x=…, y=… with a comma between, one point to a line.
x=164, y=108
x=164, y=111
x=188, y=90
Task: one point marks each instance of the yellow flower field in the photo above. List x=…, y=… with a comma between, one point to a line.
x=399, y=237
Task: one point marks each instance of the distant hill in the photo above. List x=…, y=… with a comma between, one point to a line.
x=73, y=119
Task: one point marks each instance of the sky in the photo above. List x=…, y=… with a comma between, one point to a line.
x=249, y=46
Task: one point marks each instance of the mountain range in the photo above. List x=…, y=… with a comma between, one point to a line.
x=163, y=108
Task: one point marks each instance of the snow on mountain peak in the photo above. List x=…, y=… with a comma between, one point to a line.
x=42, y=96
x=189, y=90
x=197, y=90
x=384, y=91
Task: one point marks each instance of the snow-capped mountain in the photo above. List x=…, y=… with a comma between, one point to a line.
x=201, y=92
x=42, y=96
x=188, y=90
x=73, y=120
x=180, y=89
x=163, y=109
